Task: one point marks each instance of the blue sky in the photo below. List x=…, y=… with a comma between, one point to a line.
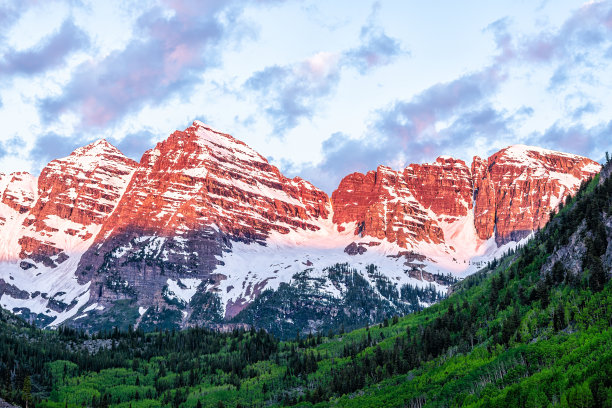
x=320, y=88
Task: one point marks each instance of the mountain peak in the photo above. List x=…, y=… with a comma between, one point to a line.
x=99, y=149
x=538, y=157
x=521, y=151
x=199, y=124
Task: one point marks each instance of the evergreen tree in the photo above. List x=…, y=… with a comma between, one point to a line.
x=558, y=272
x=598, y=276
x=27, y=392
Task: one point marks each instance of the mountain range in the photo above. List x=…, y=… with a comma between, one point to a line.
x=205, y=231
x=541, y=314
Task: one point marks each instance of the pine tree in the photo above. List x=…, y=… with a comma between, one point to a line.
x=27, y=391
x=558, y=272
x=559, y=318
x=598, y=276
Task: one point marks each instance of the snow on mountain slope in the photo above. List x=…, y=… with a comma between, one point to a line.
x=18, y=193
x=191, y=199
x=73, y=197
x=197, y=230
x=251, y=268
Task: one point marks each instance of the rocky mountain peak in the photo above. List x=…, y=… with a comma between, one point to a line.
x=206, y=219
x=100, y=146
x=512, y=192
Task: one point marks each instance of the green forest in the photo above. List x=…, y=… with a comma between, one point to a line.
x=523, y=332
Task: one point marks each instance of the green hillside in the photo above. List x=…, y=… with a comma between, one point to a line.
x=531, y=330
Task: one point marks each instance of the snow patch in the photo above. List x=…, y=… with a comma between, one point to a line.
x=182, y=289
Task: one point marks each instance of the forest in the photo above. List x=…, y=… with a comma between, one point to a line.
x=526, y=320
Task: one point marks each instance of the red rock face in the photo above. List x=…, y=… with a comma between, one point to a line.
x=484, y=199
x=527, y=183
x=512, y=194
x=189, y=198
x=75, y=194
x=444, y=186
x=383, y=206
x=201, y=177
x=175, y=215
x=19, y=192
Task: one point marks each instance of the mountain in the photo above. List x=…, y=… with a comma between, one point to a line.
x=205, y=231
x=506, y=197
x=527, y=319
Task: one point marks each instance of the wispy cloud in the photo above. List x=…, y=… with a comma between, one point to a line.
x=586, y=108
x=293, y=92
x=172, y=48
x=51, y=146
x=48, y=54
x=376, y=48
x=411, y=124
x=590, y=141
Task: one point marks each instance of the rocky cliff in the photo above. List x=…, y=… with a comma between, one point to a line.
x=507, y=196
x=198, y=229
x=188, y=200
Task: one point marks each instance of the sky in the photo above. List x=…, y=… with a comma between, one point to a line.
x=322, y=89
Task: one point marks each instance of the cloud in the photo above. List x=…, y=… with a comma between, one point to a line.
x=503, y=39
x=587, y=30
x=51, y=146
x=588, y=107
x=481, y=124
x=587, y=141
x=589, y=26
x=376, y=49
x=10, y=13
x=12, y=146
x=291, y=92
x=50, y=53
x=342, y=155
x=406, y=132
x=415, y=120
x=134, y=145
x=172, y=47
x=559, y=77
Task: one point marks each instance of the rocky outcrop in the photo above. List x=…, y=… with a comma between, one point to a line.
x=382, y=205
x=201, y=177
x=4, y=404
x=511, y=195
x=19, y=191
x=529, y=183
x=484, y=199
x=444, y=187
x=12, y=290
x=196, y=230
x=355, y=249
x=76, y=195
x=188, y=200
